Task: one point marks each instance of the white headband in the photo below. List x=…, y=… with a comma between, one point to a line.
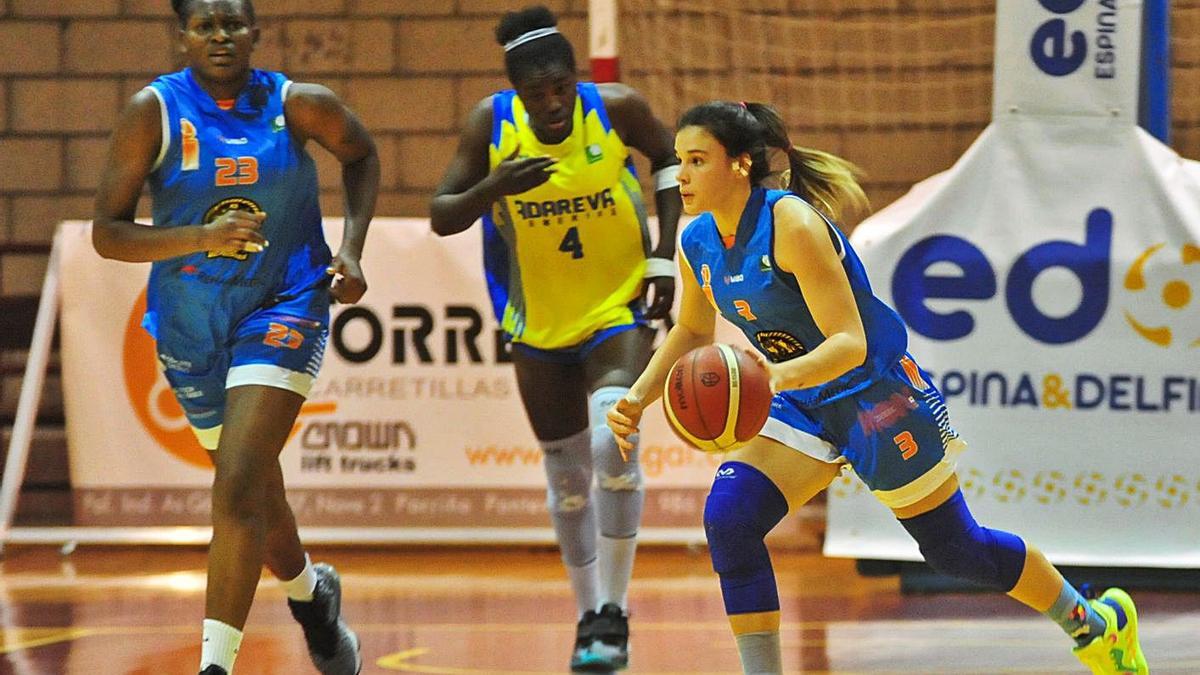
x=529, y=37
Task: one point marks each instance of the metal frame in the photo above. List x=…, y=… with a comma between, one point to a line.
x=31, y=396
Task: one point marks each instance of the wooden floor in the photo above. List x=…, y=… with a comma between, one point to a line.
x=465, y=611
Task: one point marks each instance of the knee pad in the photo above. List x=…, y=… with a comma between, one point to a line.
x=955, y=545
x=568, y=465
x=743, y=506
x=619, y=491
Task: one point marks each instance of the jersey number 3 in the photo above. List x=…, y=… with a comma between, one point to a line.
x=236, y=171
x=571, y=244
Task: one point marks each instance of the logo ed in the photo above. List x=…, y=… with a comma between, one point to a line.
x=916, y=282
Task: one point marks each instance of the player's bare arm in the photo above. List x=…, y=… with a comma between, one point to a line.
x=314, y=112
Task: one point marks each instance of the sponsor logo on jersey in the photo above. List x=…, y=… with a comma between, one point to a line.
x=225, y=206
x=189, y=145
x=779, y=345
x=583, y=205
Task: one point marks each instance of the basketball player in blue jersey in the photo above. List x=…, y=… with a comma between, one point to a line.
x=239, y=293
x=846, y=392
x=547, y=165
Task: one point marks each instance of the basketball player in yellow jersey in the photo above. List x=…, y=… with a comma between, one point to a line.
x=569, y=269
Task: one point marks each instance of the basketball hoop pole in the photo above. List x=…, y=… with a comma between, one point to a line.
x=31, y=395
x=602, y=40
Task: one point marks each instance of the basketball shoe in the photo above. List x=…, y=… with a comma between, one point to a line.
x=333, y=647
x=1117, y=652
x=609, y=649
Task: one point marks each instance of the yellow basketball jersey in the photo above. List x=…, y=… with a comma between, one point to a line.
x=565, y=259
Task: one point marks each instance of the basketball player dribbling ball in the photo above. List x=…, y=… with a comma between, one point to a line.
x=547, y=165
x=239, y=293
x=772, y=263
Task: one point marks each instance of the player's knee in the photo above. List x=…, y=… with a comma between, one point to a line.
x=568, y=465
x=237, y=495
x=613, y=473
x=568, y=490
x=954, y=544
x=743, y=506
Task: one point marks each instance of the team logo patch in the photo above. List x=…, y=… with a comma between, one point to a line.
x=593, y=153
x=225, y=206
x=778, y=345
x=278, y=124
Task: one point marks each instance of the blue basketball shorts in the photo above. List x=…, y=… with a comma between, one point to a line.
x=577, y=354
x=895, y=434
x=278, y=346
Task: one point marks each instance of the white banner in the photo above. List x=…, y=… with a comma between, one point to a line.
x=1067, y=57
x=1051, y=283
x=414, y=422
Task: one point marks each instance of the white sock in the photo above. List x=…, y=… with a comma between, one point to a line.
x=301, y=588
x=583, y=583
x=760, y=653
x=220, y=645
x=616, y=568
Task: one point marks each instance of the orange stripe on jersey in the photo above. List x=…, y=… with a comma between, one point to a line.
x=913, y=373
x=226, y=103
x=728, y=239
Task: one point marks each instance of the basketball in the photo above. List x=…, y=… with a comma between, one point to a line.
x=717, y=397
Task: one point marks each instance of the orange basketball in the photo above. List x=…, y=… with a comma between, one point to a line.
x=717, y=397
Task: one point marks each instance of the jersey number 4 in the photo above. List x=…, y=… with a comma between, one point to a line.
x=571, y=244
x=236, y=171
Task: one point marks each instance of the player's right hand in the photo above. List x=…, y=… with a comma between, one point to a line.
x=514, y=176
x=233, y=232
x=623, y=418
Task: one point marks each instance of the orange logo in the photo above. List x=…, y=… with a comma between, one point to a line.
x=1175, y=294
x=189, y=145
x=153, y=401
x=706, y=285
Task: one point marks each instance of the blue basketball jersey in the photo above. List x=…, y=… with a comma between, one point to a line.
x=745, y=285
x=219, y=157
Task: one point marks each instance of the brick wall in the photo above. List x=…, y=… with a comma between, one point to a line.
x=411, y=68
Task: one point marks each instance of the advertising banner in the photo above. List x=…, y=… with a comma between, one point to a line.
x=1067, y=57
x=1050, y=282
x=414, y=422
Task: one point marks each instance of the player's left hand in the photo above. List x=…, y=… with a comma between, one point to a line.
x=348, y=284
x=664, y=297
x=774, y=370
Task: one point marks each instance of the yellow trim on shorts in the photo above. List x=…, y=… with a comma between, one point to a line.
x=927, y=483
x=208, y=438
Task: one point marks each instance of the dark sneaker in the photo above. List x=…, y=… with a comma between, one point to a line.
x=581, y=657
x=609, y=650
x=334, y=648
x=214, y=669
